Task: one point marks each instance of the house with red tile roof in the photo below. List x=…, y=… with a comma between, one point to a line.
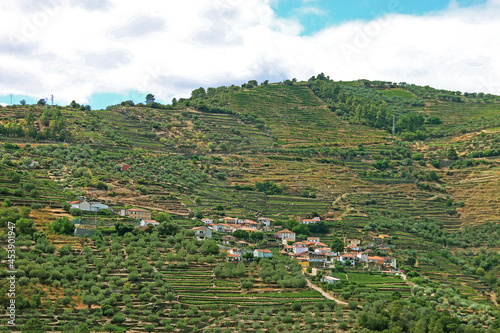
x=147, y=223
x=207, y=221
x=310, y=221
x=228, y=219
x=299, y=247
x=226, y=239
x=265, y=221
x=313, y=239
x=233, y=257
x=202, y=233
x=286, y=234
x=348, y=259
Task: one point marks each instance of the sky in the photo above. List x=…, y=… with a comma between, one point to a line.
x=102, y=52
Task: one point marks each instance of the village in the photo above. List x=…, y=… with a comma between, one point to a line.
x=235, y=236
x=312, y=254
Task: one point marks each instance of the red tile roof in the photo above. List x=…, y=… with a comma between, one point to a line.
x=199, y=228
x=286, y=231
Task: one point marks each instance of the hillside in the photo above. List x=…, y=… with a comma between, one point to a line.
x=284, y=151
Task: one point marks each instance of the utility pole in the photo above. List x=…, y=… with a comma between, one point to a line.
x=52, y=100
x=95, y=211
x=393, y=126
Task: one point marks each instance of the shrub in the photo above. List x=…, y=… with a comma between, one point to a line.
x=15, y=178
x=353, y=304
x=296, y=306
x=63, y=226
x=75, y=211
x=36, y=206
x=118, y=318
x=29, y=186
x=181, y=324
x=4, y=190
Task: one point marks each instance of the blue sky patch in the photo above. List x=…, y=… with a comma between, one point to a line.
x=315, y=15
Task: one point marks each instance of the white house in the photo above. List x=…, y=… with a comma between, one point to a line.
x=146, y=223
x=317, y=259
x=220, y=227
x=227, y=239
x=233, y=257
x=83, y=205
x=324, y=250
x=228, y=219
x=329, y=279
x=314, y=240
x=86, y=206
x=97, y=206
x=309, y=221
x=286, y=234
x=299, y=247
x=202, y=233
x=348, y=259
x=207, y=221
x=265, y=221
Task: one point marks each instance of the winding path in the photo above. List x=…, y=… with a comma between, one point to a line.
x=324, y=293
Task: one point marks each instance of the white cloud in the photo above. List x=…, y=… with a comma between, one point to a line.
x=310, y=10
x=169, y=48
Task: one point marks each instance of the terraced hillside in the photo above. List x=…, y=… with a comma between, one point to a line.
x=283, y=151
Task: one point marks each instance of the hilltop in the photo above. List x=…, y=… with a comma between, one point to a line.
x=317, y=141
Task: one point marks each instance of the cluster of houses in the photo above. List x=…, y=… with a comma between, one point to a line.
x=229, y=225
x=87, y=206
x=309, y=253
x=313, y=253
x=142, y=215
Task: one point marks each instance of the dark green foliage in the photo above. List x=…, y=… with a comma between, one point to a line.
x=75, y=211
x=301, y=229
x=63, y=226
x=122, y=228
x=25, y=226
x=268, y=187
x=163, y=217
x=209, y=247
x=318, y=228
x=167, y=228
x=101, y=185
x=246, y=284
x=34, y=325
x=241, y=234
x=257, y=236
x=337, y=245
x=433, y=120
x=452, y=154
